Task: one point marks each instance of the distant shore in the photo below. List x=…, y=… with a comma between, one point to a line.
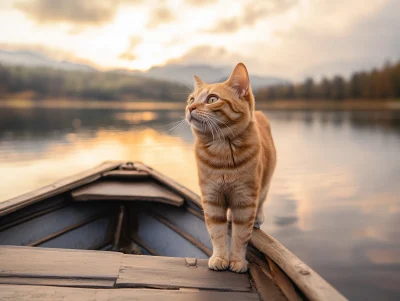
x=323, y=105
x=153, y=105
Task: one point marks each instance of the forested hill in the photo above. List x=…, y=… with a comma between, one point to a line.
x=51, y=83
x=379, y=84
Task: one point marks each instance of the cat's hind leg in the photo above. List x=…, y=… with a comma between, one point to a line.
x=260, y=211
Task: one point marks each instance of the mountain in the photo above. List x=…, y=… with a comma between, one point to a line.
x=31, y=59
x=183, y=74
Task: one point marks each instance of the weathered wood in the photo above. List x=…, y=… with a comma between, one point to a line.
x=183, y=191
x=168, y=272
x=284, y=283
x=118, y=229
x=309, y=282
x=127, y=174
x=65, y=282
x=37, y=228
x=67, y=229
x=265, y=287
x=164, y=240
x=31, y=212
x=46, y=263
x=127, y=191
x=86, y=237
x=183, y=233
x=191, y=224
x=58, y=187
x=191, y=262
x=27, y=293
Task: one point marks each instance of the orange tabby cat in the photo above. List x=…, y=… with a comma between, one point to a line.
x=236, y=158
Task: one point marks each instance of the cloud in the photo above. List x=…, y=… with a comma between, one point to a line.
x=128, y=54
x=77, y=12
x=218, y=56
x=251, y=13
x=160, y=16
x=200, y=2
x=360, y=40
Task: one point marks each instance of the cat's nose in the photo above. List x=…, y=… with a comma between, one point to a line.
x=191, y=108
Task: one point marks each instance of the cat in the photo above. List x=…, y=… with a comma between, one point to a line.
x=236, y=158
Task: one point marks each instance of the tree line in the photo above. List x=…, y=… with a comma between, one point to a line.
x=48, y=83
x=379, y=84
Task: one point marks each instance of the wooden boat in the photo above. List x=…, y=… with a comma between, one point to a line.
x=53, y=242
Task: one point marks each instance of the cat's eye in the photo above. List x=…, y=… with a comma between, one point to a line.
x=212, y=99
x=191, y=100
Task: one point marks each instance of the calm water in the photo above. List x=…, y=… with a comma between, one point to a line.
x=335, y=198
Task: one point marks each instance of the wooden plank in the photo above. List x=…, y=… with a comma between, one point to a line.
x=27, y=292
x=58, y=187
x=283, y=281
x=81, y=282
x=127, y=191
x=168, y=272
x=307, y=280
x=178, y=188
x=35, y=229
x=164, y=240
x=265, y=287
x=31, y=263
x=127, y=174
x=86, y=237
x=33, y=211
x=205, y=249
x=187, y=221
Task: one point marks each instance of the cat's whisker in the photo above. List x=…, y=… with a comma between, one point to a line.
x=216, y=119
x=219, y=129
x=215, y=127
x=208, y=121
x=173, y=123
x=181, y=127
x=212, y=132
x=174, y=129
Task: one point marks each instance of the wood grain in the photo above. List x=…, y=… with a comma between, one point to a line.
x=309, y=282
x=58, y=187
x=189, y=195
x=127, y=174
x=27, y=292
x=127, y=191
x=168, y=272
x=64, y=282
x=283, y=281
x=30, y=263
x=265, y=287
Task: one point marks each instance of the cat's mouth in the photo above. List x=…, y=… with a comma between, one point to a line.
x=194, y=118
x=197, y=123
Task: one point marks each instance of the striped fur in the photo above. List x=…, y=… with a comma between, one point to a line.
x=236, y=158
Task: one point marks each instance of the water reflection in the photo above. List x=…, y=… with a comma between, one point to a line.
x=334, y=198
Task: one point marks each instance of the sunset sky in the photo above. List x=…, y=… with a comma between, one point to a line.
x=286, y=38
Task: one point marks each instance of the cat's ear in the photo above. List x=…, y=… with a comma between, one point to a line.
x=198, y=83
x=239, y=80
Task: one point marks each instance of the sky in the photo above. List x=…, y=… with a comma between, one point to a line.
x=292, y=39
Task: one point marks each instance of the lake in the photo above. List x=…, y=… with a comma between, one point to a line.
x=334, y=200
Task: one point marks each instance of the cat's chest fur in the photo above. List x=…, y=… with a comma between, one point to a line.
x=224, y=164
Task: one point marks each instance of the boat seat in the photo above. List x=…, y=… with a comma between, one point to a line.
x=127, y=191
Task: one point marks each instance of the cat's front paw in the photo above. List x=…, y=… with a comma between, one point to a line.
x=239, y=266
x=218, y=263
